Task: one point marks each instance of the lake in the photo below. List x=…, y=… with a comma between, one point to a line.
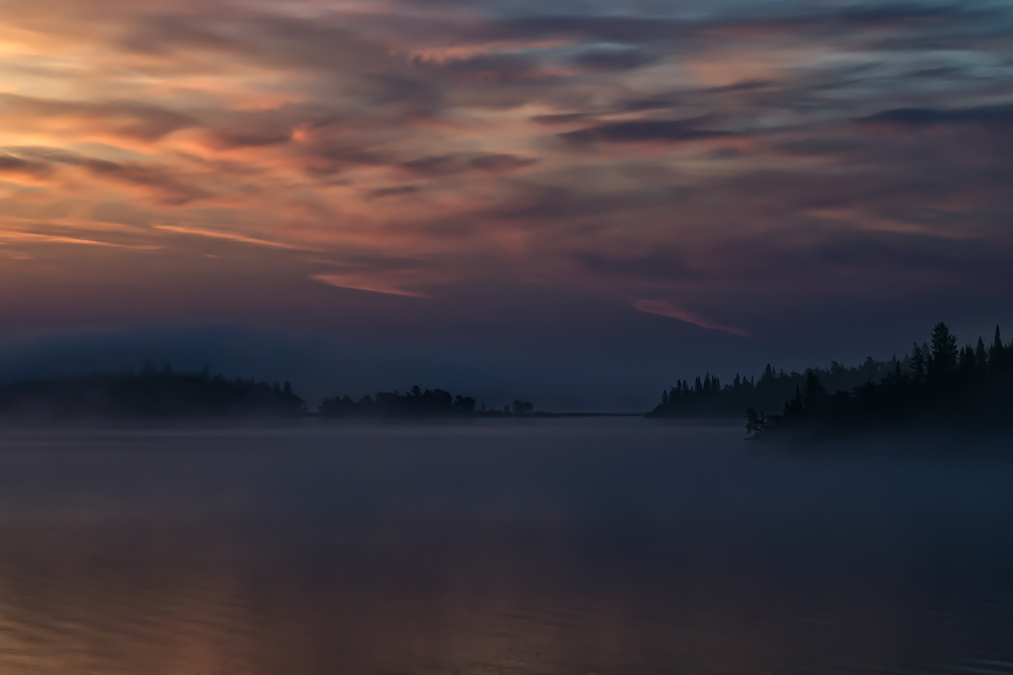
x=591, y=546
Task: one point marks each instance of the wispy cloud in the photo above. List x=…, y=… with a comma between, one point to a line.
x=230, y=236
x=666, y=308
x=38, y=237
x=372, y=284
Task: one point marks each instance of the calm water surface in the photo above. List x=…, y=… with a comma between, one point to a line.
x=587, y=546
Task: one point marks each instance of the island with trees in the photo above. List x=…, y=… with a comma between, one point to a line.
x=416, y=403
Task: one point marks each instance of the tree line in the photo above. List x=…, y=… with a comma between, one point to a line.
x=938, y=386
x=150, y=394
x=414, y=403
x=708, y=397
x=165, y=393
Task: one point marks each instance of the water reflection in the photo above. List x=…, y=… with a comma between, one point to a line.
x=576, y=547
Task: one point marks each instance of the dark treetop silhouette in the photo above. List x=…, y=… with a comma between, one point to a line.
x=151, y=394
x=934, y=387
x=970, y=389
x=166, y=394
x=414, y=403
x=706, y=397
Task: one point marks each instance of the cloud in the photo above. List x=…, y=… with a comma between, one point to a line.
x=50, y=238
x=740, y=161
x=994, y=115
x=614, y=59
x=371, y=284
x=124, y=118
x=393, y=191
x=501, y=162
x=16, y=165
x=230, y=236
x=636, y=131
x=561, y=118
x=169, y=189
x=666, y=263
x=443, y=165
x=486, y=69
x=438, y=165
x=666, y=308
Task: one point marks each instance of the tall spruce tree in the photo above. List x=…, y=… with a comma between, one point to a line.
x=944, y=349
x=918, y=364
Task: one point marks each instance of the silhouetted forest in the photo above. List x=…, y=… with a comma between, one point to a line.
x=708, y=397
x=414, y=403
x=935, y=387
x=150, y=394
x=166, y=394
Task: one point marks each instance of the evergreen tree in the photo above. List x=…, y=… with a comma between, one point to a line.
x=965, y=362
x=980, y=358
x=796, y=403
x=918, y=364
x=995, y=354
x=814, y=390
x=944, y=349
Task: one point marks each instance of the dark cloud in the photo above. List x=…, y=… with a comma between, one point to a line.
x=415, y=96
x=667, y=263
x=561, y=118
x=746, y=85
x=644, y=130
x=501, y=162
x=995, y=115
x=250, y=137
x=444, y=165
x=17, y=165
x=890, y=14
x=395, y=191
x=917, y=253
x=48, y=155
x=661, y=102
x=614, y=29
x=120, y=117
x=168, y=188
x=269, y=38
x=485, y=69
x=327, y=158
x=614, y=59
x=762, y=18
x=437, y=165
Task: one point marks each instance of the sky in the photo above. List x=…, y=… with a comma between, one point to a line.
x=576, y=202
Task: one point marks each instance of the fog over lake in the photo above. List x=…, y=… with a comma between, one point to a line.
x=606, y=546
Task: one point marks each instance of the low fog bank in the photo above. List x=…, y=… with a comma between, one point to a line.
x=577, y=378
x=592, y=371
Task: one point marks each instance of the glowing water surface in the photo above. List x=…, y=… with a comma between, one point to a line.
x=572, y=546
